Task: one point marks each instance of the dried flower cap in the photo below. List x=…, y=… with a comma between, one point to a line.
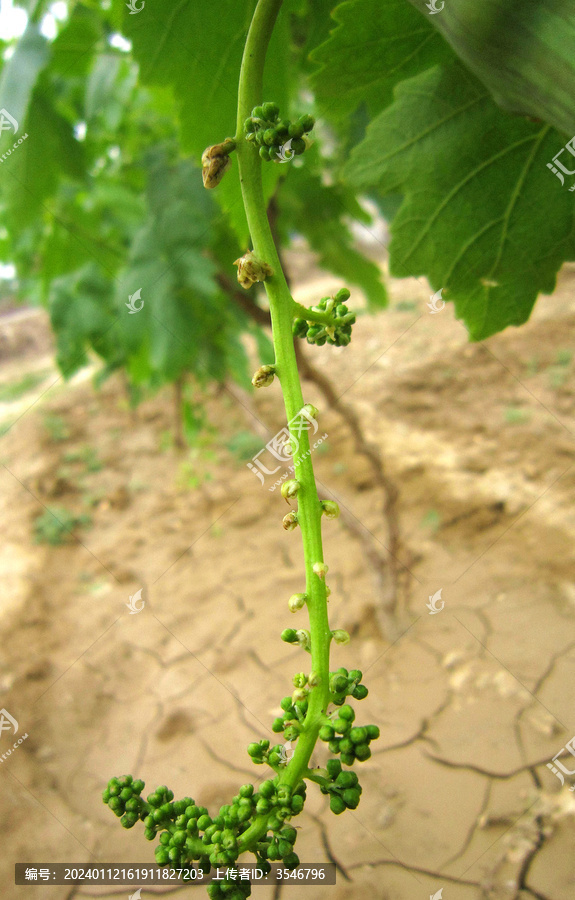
x=290, y=521
x=216, y=161
x=320, y=569
x=297, y=601
x=252, y=269
x=330, y=509
x=340, y=636
x=264, y=376
x=289, y=489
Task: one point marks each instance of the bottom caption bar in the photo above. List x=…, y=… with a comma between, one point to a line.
x=145, y=874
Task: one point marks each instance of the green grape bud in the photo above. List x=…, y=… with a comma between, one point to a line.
x=347, y=713
x=267, y=789
x=299, y=327
x=273, y=852
x=333, y=767
x=307, y=122
x=269, y=137
x=372, y=732
x=342, y=295
x=291, y=733
x=270, y=111
x=297, y=602
x=282, y=128
x=289, y=489
x=334, y=745
x=360, y=692
x=346, y=745
x=340, y=636
x=162, y=855
x=129, y=819
x=298, y=146
x=278, y=726
x=336, y=804
x=358, y=735
x=346, y=780
x=254, y=751
x=297, y=804
x=258, y=112
x=291, y=861
x=362, y=752
x=337, y=684
x=326, y=733
x=289, y=635
x=340, y=725
x=348, y=759
x=299, y=680
x=330, y=509
x=351, y=798
x=296, y=130
x=265, y=154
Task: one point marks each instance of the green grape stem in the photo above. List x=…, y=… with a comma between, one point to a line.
x=282, y=314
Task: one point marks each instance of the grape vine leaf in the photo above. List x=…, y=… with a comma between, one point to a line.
x=20, y=73
x=523, y=52
x=375, y=46
x=482, y=216
x=321, y=214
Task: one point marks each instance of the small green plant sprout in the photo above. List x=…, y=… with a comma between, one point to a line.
x=258, y=821
x=55, y=526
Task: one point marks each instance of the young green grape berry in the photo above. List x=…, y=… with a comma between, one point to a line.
x=326, y=733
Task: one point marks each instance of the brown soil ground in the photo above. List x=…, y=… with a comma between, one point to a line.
x=472, y=702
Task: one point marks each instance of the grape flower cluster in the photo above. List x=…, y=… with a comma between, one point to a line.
x=278, y=139
x=337, y=330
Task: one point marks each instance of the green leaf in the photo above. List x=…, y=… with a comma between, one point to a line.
x=482, y=217
x=73, y=49
x=33, y=171
x=375, y=46
x=320, y=212
x=20, y=74
x=524, y=52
